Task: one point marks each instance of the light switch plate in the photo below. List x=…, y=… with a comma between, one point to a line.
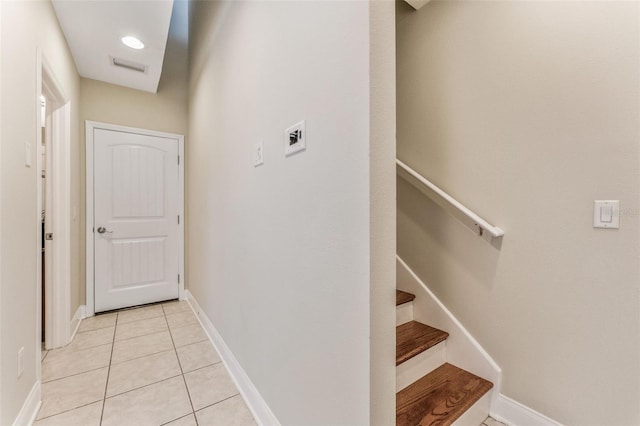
x=258, y=154
x=606, y=214
x=295, y=138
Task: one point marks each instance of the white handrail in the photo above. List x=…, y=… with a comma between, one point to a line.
x=479, y=223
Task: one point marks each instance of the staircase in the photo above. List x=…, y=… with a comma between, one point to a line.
x=431, y=391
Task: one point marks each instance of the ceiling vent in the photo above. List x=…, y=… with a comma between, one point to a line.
x=130, y=65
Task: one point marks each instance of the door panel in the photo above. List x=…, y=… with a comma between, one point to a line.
x=136, y=202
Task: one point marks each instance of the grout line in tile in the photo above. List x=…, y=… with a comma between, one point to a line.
x=74, y=374
x=195, y=343
x=138, y=357
x=216, y=403
x=203, y=367
x=142, y=335
x=119, y=339
x=200, y=368
x=93, y=329
x=69, y=348
x=45, y=355
x=181, y=417
x=206, y=337
x=154, y=316
x=199, y=341
x=106, y=384
x=66, y=411
x=133, y=308
x=142, y=387
x=180, y=312
x=142, y=356
x=188, y=325
x=165, y=314
x=142, y=319
x=75, y=351
x=193, y=411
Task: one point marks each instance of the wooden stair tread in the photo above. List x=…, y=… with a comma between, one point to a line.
x=413, y=337
x=440, y=397
x=403, y=297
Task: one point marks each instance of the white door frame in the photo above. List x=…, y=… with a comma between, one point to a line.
x=1, y=198
x=90, y=127
x=58, y=289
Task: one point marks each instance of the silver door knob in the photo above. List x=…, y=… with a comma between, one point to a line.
x=102, y=230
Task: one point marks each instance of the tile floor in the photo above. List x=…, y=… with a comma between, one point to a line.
x=490, y=421
x=147, y=366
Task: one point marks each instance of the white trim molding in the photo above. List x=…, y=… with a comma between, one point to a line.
x=31, y=406
x=77, y=320
x=90, y=127
x=259, y=408
x=506, y=410
x=1, y=334
x=58, y=290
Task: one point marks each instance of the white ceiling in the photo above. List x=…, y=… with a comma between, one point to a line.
x=94, y=28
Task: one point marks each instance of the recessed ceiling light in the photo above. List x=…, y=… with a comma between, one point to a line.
x=133, y=42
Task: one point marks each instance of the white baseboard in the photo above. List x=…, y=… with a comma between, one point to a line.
x=259, y=408
x=81, y=313
x=506, y=410
x=29, y=411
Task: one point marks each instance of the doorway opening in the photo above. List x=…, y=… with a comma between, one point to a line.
x=45, y=198
x=134, y=217
x=53, y=219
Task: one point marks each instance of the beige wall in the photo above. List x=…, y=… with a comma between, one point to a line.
x=25, y=27
x=280, y=254
x=165, y=111
x=527, y=112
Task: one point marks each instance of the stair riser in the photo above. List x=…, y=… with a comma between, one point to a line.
x=477, y=413
x=404, y=313
x=420, y=365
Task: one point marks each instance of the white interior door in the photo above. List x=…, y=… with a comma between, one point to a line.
x=136, y=231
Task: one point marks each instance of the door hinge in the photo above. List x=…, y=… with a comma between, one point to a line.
x=178, y=278
x=178, y=160
x=178, y=219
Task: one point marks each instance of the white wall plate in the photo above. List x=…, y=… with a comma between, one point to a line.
x=606, y=214
x=295, y=138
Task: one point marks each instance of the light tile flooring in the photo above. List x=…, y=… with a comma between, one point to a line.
x=490, y=421
x=147, y=366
